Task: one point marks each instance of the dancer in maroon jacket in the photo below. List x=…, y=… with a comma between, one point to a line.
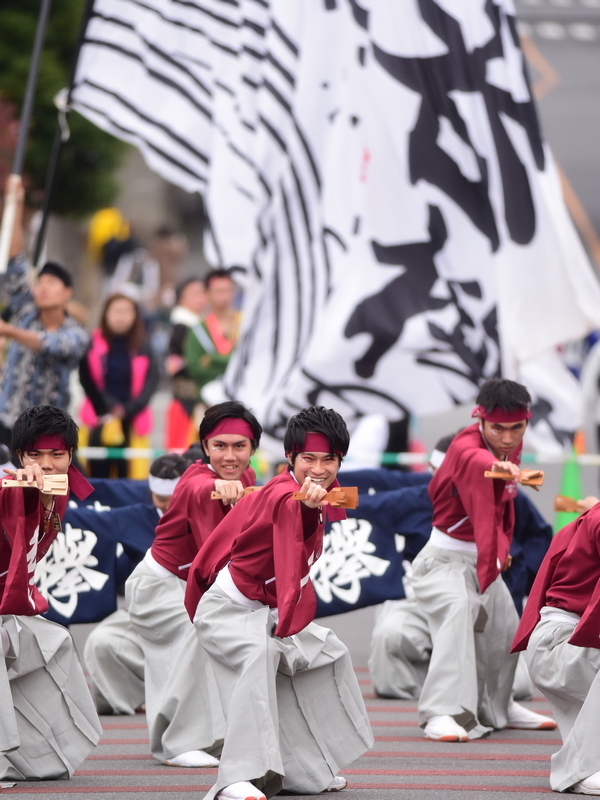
x=294, y=712
x=456, y=576
x=48, y=723
x=560, y=629
x=184, y=714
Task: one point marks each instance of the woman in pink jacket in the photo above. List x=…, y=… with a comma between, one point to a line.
x=119, y=375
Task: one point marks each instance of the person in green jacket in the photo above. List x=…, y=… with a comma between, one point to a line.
x=208, y=345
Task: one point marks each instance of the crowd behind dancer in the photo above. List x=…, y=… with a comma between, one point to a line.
x=457, y=575
x=48, y=723
x=186, y=314
x=119, y=374
x=182, y=705
x=208, y=346
x=113, y=653
x=294, y=713
x=45, y=342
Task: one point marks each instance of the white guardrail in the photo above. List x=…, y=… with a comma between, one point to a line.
x=402, y=459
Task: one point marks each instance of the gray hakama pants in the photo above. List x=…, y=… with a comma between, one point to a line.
x=183, y=708
x=114, y=659
x=48, y=723
x=569, y=677
x=401, y=648
x=471, y=672
x=295, y=714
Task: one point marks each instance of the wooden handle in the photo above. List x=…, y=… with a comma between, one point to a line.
x=340, y=497
x=529, y=477
x=567, y=504
x=11, y=204
x=53, y=484
x=247, y=490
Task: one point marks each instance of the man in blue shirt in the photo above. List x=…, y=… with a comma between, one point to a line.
x=45, y=342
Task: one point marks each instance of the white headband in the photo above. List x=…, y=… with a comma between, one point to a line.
x=436, y=458
x=162, y=486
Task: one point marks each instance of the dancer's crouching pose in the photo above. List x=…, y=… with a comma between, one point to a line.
x=48, y=723
x=294, y=712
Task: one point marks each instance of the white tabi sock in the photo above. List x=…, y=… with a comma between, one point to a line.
x=521, y=718
x=193, y=758
x=337, y=784
x=243, y=790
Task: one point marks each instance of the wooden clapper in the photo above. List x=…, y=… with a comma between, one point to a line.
x=340, y=497
x=53, y=484
x=529, y=477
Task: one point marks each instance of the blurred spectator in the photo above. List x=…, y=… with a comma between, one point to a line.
x=169, y=247
x=190, y=298
x=45, y=342
x=119, y=375
x=108, y=229
x=136, y=274
x=208, y=345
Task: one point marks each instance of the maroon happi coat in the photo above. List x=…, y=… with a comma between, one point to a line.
x=190, y=518
x=24, y=543
x=472, y=508
x=568, y=579
x=270, y=542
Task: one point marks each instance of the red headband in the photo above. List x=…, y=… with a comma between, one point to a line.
x=78, y=484
x=497, y=415
x=50, y=441
x=316, y=443
x=234, y=425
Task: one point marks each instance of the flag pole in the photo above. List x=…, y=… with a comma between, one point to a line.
x=10, y=202
x=60, y=137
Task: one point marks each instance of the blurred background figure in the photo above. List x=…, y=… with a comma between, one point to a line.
x=45, y=343
x=136, y=273
x=169, y=247
x=208, y=345
x=108, y=234
x=190, y=303
x=119, y=375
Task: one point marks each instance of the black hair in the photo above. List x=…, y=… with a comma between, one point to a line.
x=503, y=394
x=316, y=419
x=220, y=411
x=169, y=466
x=56, y=269
x=444, y=443
x=38, y=421
x=164, y=232
x=195, y=452
x=214, y=274
x=182, y=286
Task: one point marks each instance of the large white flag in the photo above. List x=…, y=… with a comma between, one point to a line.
x=375, y=171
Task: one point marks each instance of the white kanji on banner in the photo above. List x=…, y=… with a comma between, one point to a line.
x=347, y=558
x=68, y=569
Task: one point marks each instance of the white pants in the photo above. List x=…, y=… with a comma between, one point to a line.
x=294, y=711
x=401, y=649
x=48, y=723
x=471, y=672
x=569, y=677
x=183, y=708
x=114, y=659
